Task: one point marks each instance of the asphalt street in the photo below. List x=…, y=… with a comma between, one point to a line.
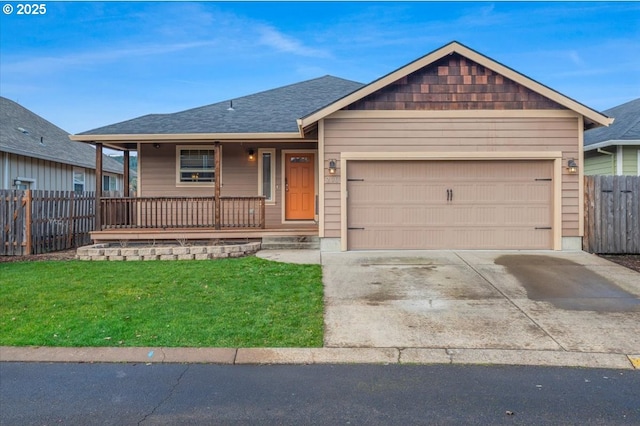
x=154, y=394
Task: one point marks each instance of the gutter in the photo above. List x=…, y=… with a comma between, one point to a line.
x=611, y=142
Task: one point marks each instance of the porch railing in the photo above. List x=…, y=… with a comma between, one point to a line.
x=181, y=212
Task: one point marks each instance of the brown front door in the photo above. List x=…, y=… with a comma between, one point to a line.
x=299, y=186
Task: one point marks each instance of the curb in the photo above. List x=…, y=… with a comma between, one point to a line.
x=304, y=356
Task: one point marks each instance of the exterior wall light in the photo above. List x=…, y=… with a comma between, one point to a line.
x=332, y=167
x=572, y=167
x=252, y=155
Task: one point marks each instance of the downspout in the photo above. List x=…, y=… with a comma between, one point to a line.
x=613, y=166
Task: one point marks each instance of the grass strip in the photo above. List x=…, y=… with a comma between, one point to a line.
x=245, y=302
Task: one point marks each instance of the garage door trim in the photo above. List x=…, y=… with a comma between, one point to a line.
x=556, y=156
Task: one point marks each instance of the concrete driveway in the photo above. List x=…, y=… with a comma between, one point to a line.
x=556, y=301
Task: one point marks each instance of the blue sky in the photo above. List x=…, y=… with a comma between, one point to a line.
x=82, y=65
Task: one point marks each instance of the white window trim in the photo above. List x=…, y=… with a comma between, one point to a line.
x=217, y=173
x=619, y=162
x=271, y=151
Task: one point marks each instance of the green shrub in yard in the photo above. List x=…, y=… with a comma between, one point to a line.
x=246, y=302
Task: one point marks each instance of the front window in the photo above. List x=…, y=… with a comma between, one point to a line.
x=266, y=173
x=196, y=165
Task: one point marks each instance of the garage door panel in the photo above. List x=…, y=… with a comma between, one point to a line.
x=379, y=216
x=527, y=192
x=404, y=205
x=418, y=216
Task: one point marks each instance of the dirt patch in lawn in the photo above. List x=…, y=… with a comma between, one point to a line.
x=631, y=261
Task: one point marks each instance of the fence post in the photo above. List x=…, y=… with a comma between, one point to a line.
x=28, y=220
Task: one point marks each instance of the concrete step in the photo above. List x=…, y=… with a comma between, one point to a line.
x=290, y=242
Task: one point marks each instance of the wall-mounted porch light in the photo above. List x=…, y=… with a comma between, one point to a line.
x=252, y=155
x=156, y=145
x=572, y=167
x=332, y=167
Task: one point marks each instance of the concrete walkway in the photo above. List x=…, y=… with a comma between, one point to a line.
x=364, y=291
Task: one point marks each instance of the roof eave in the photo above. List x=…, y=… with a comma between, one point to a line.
x=193, y=137
x=590, y=115
x=612, y=142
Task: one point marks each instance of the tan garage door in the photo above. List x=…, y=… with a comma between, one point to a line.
x=449, y=205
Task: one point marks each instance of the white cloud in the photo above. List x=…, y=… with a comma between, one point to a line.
x=273, y=38
x=51, y=64
x=574, y=56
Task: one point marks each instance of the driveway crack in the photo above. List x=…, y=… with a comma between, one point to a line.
x=171, y=392
x=512, y=302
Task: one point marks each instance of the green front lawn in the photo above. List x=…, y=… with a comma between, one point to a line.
x=246, y=302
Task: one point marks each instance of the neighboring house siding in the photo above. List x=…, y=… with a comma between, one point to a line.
x=599, y=164
x=453, y=135
x=157, y=168
x=48, y=175
x=630, y=160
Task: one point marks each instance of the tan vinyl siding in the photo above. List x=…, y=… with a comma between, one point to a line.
x=239, y=175
x=630, y=160
x=453, y=135
x=598, y=164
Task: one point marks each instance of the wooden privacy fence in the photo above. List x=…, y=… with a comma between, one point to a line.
x=34, y=222
x=612, y=214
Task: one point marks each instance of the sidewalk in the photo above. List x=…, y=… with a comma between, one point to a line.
x=262, y=356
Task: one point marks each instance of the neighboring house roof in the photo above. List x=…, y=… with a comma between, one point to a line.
x=592, y=117
x=271, y=111
x=624, y=131
x=23, y=132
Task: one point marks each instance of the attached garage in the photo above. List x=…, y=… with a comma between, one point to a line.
x=486, y=204
x=452, y=151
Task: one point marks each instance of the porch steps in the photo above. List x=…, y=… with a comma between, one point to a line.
x=297, y=242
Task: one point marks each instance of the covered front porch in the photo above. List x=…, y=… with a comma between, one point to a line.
x=211, y=190
x=189, y=219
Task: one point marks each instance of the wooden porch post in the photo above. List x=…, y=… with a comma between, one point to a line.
x=98, y=208
x=125, y=184
x=216, y=200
